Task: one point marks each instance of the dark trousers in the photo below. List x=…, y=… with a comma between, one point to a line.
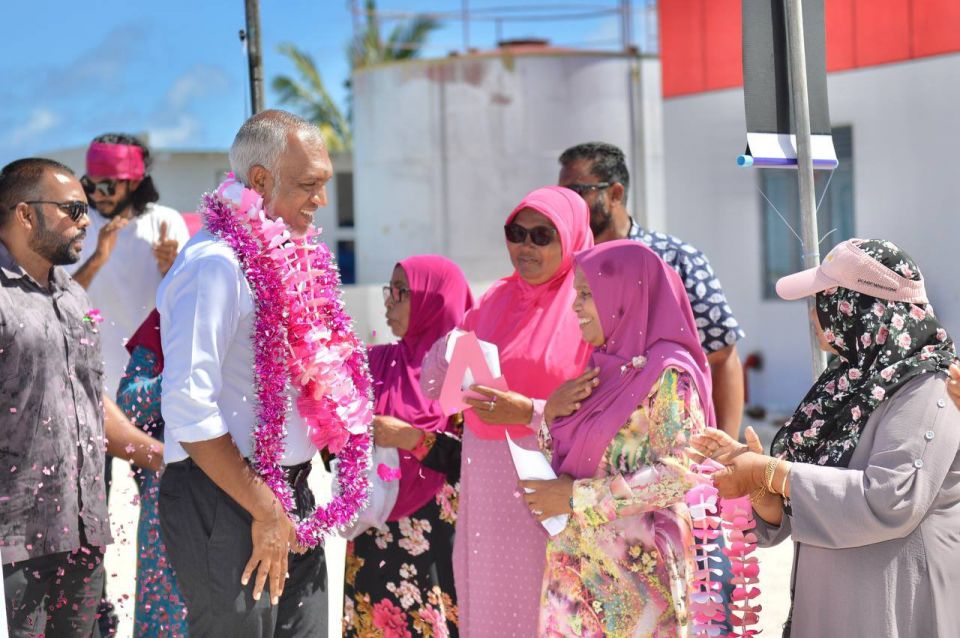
x=207, y=535
x=54, y=595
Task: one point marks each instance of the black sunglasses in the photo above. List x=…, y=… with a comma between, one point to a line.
x=107, y=187
x=74, y=209
x=581, y=189
x=539, y=235
x=395, y=293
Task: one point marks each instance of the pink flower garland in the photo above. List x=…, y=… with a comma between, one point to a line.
x=736, y=521
x=301, y=334
x=706, y=601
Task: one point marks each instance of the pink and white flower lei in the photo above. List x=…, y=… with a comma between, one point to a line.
x=733, y=518
x=302, y=336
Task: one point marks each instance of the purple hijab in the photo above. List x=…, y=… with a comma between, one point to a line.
x=439, y=298
x=644, y=311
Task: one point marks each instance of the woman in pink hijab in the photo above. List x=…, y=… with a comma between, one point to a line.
x=499, y=549
x=401, y=575
x=618, y=568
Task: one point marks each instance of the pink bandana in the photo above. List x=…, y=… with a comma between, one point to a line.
x=118, y=161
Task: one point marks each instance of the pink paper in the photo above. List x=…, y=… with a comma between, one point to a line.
x=467, y=355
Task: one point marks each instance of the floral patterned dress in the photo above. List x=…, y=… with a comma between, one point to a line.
x=619, y=568
x=399, y=578
x=160, y=610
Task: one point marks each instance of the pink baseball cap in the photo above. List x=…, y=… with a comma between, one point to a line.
x=848, y=266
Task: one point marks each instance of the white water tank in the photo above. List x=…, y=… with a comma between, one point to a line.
x=445, y=148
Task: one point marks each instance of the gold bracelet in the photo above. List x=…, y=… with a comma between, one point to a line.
x=783, y=483
x=768, y=474
x=758, y=494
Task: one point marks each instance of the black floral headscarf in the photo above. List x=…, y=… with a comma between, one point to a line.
x=881, y=345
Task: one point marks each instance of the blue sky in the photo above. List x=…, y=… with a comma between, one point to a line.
x=176, y=69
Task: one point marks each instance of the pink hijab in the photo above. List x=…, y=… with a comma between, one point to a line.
x=644, y=311
x=538, y=336
x=439, y=298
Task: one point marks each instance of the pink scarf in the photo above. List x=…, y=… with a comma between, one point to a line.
x=538, y=336
x=644, y=311
x=439, y=297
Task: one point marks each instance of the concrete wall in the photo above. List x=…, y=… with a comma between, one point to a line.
x=905, y=137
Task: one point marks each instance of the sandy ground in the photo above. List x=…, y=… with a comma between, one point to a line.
x=775, y=563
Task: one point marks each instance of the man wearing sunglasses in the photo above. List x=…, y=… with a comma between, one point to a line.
x=133, y=242
x=598, y=172
x=53, y=416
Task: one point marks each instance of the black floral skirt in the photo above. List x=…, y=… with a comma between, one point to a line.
x=398, y=581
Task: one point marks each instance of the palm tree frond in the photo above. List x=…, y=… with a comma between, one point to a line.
x=406, y=40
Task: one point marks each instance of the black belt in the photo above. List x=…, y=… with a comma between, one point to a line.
x=296, y=475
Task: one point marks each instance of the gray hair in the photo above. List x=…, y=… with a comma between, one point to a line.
x=262, y=140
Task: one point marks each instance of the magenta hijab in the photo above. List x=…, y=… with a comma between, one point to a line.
x=439, y=298
x=537, y=335
x=644, y=311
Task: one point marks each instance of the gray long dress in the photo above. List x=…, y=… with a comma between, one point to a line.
x=879, y=542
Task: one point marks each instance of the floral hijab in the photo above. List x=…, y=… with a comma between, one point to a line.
x=881, y=345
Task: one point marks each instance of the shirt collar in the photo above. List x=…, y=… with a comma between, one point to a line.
x=12, y=270
x=635, y=229
x=8, y=265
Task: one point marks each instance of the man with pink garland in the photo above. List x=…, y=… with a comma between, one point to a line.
x=229, y=512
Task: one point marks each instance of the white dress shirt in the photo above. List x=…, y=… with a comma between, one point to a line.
x=206, y=329
x=125, y=288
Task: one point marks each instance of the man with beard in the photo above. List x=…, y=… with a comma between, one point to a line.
x=137, y=241
x=598, y=172
x=53, y=513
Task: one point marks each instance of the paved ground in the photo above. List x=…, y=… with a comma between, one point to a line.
x=775, y=563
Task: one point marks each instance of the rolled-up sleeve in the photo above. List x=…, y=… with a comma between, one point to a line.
x=199, y=316
x=916, y=445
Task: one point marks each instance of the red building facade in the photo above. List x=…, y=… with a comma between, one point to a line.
x=700, y=39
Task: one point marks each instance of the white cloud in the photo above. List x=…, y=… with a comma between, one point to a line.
x=197, y=82
x=40, y=121
x=174, y=123
x=182, y=130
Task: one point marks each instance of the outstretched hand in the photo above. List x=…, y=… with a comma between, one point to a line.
x=743, y=464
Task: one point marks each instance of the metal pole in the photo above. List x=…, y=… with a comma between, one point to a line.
x=626, y=27
x=253, y=55
x=465, y=5
x=796, y=55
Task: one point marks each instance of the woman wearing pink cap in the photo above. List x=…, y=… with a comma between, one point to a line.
x=865, y=477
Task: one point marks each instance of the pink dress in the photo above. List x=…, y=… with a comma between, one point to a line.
x=499, y=550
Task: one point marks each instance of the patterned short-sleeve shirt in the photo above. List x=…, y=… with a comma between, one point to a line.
x=52, y=447
x=715, y=321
